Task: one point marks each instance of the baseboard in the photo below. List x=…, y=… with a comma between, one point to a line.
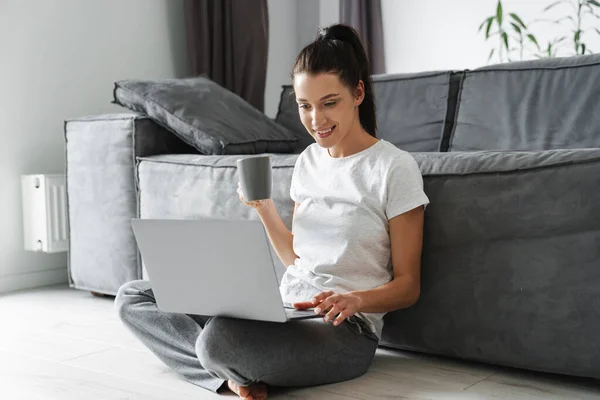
x=29, y=280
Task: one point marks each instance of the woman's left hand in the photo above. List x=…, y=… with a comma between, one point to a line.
x=338, y=306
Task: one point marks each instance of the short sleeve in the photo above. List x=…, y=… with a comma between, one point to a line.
x=404, y=187
x=294, y=183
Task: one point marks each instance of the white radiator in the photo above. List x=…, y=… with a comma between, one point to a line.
x=45, y=213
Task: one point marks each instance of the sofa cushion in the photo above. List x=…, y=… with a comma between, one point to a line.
x=530, y=105
x=205, y=115
x=510, y=268
x=411, y=110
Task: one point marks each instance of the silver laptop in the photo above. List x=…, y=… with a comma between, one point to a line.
x=213, y=267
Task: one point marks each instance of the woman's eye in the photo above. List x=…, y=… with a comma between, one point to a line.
x=330, y=104
x=304, y=106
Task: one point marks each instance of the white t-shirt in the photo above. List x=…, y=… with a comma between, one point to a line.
x=341, y=231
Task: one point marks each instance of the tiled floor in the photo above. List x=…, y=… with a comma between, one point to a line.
x=58, y=343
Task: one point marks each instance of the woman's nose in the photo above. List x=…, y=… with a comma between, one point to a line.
x=318, y=119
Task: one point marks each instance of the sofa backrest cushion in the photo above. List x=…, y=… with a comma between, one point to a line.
x=411, y=110
x=205, y=115
x=530, y=105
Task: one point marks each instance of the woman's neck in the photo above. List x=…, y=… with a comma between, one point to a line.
x=352, y=144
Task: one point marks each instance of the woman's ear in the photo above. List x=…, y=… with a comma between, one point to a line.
x=359, y=93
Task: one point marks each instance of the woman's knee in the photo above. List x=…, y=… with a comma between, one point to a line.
x=216, y=343
x=207, y=343
x=218, y=350
x=128, y=296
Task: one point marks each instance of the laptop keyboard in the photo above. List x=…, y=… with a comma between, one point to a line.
x=292, y=312
x=298, y=312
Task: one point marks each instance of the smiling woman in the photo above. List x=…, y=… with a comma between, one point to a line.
x=355, y=249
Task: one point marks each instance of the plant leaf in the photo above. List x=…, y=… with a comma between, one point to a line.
x=597, y=30
x=540, y=20
x=516, y=27
x=505, y=39
x=583, y=48
x=481, y=26
x=499, y=12
x=489, y=25
x=486, y=21
x=558, y=21
x=552, y=5
x=534, y=40
x=560, y=39
x=519, y=20
x=577, y=35
x=590, y=10
x=593, y=2
x=491, y=54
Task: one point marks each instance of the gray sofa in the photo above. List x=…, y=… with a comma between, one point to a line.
x=510, y=156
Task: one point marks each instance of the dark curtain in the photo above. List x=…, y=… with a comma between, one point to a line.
x=228, y=40
x=365, y=17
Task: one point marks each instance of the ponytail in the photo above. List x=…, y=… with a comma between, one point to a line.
x=338, y=48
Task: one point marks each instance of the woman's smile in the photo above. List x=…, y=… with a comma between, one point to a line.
x=324, y=133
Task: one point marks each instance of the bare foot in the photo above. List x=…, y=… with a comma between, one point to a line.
x=256, y=391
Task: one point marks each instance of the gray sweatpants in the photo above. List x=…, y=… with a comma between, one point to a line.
x=208, y=351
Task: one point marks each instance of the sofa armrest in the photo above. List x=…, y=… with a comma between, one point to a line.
x=102, y=193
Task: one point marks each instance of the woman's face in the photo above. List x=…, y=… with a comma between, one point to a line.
x=328, y=109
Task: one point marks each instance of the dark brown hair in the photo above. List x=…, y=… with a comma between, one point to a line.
x=338, y=49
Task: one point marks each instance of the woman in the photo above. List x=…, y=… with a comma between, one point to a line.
x=354, y=254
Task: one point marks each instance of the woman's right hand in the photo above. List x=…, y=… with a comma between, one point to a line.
x=258, y=205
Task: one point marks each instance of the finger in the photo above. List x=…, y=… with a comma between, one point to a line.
x=303, y=305
x=332, y=314
x=322, y=296
x=326, y=294
x=340, y=318
x=324, y=306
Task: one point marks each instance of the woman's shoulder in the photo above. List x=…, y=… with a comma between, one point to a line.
x=390, y=153
x=396, y=160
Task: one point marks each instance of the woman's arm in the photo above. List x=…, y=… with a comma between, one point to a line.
x=406, y=240
x=281, y=238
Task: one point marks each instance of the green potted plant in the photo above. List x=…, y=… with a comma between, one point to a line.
x=514, y=37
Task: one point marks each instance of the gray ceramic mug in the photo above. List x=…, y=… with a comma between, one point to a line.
x=255, y=177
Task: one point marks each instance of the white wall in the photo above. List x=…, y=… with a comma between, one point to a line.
x=329, y=12
x=292, y=25
x=440, y=35
x=307, y=21
x=59, y=59
x=283, y=47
